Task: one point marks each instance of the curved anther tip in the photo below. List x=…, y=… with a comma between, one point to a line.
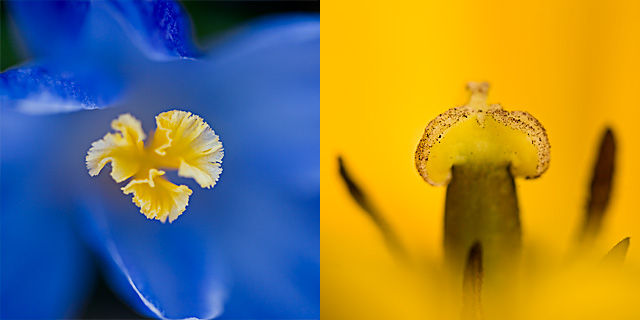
x=494, y=137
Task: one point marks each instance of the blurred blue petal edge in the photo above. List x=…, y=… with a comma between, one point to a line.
x=40, y=90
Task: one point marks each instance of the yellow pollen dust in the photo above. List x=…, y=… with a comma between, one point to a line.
x=182, y=141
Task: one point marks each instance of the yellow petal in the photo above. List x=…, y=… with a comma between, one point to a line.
x=122, y=149
x=186, y=141
x=157, y=197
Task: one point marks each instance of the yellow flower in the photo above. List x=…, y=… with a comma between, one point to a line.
x=388, y=69
x=182, y=141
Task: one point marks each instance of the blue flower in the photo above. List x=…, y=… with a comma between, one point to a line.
x=248, y=248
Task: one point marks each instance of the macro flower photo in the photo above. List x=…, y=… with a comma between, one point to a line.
x=479, y=160
x=159, y=159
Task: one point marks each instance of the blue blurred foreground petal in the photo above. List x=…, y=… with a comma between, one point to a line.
x=45, y=269
x=162, y=29
x=269, y=73
x=265, y=85
x=41, y=90
x=165, y=271
x=50, y=28
x=271, y=239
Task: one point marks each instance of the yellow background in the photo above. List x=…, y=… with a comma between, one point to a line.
x=389, y=67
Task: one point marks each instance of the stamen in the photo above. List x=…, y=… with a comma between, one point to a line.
x=365, y=203
x=616, y=256
x=472, y=284
x=600, y=191
x=183, y=142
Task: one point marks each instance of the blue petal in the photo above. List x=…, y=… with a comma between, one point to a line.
x=257, y=232
x=50, y=28
x=272, y=240
x=271, y=70
x=46, y=273
x=43, y=90
x=161, y=28
x=164, y=271
x=265, y=90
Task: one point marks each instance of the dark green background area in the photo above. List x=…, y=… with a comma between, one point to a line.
x=212, y=17
x=209, y=18
x=7, y=54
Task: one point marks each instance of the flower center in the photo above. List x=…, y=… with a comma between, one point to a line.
x=182, y=141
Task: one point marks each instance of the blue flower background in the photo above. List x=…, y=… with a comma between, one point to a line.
x=248, y=248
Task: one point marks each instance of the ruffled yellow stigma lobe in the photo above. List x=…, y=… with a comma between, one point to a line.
x=482, y=134
x=183, y=141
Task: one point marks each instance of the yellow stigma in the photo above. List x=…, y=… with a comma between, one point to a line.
x=182, y=141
